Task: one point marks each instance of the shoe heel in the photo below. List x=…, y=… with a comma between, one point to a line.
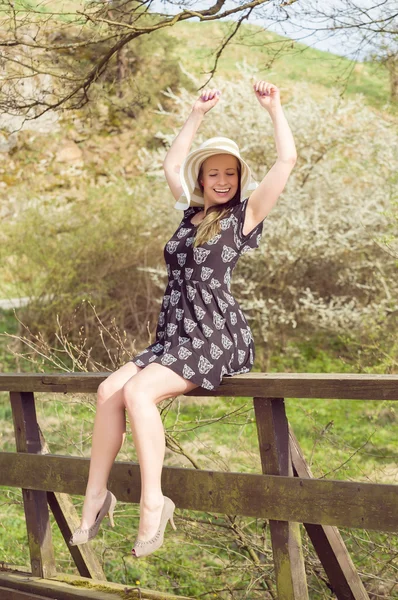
x=111, y=521
x=172, y=523
x=110, y=511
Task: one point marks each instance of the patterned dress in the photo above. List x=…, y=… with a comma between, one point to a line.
x=202, y=333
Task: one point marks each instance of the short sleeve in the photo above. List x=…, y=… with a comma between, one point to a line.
x=188, y=212
x=251, y=240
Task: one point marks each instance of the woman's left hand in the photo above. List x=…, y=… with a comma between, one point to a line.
x=267, y=94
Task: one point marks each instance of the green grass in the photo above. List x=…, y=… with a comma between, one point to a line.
x=230, y=443
x=298, y=62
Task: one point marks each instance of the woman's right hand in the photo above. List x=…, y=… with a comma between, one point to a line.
x=207, y=100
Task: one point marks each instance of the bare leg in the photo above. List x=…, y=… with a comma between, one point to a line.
x=149, y=440
x=108, y=436
x=153, y=384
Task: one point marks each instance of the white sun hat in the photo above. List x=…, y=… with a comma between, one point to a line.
x=189, y=171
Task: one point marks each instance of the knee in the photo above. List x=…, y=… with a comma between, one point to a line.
x=103, y=392
x=106, y=394
x=134, y=397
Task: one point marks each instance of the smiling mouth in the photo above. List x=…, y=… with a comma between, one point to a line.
x=222, y=191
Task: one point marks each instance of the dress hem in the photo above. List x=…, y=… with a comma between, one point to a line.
x=178, y=372
x=193, y=378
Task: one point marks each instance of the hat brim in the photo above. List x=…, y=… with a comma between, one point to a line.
x=192, y=194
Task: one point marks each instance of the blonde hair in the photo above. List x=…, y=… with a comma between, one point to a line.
x=210, y=225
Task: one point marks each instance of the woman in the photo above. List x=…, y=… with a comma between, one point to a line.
x=202, y=334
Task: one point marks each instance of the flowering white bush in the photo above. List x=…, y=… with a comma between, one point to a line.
x=319, y=264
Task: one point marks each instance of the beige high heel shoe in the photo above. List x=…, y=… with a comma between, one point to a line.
x=81, y=536
x=144, y=548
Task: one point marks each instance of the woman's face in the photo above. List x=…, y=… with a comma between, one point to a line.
x=220, y=178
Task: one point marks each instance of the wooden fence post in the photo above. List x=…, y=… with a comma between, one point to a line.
x=273, y=437
x=328, y=543
x=27, y=439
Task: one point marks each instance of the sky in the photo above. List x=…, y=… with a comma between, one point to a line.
x=292, y=22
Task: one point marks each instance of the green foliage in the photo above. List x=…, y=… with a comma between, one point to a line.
x=319, y=266
x=390, y=237
x=86, y=250
x=132, y=81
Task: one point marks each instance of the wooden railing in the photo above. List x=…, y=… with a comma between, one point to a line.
x=285, y=492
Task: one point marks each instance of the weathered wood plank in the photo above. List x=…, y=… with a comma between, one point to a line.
x=8, y=594
x=328, y=543
x=68, y=587
x=37, y=519
x=341, y=503
x=12, y=568
x=273, y=438
x=350, y=386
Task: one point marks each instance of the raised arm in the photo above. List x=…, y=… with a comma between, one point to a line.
x=181, y=145
x=266, y=194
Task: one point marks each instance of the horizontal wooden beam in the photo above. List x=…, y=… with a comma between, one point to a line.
x=10, y=594
x=328, y=502
x=349, y=386
x=69, y=587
